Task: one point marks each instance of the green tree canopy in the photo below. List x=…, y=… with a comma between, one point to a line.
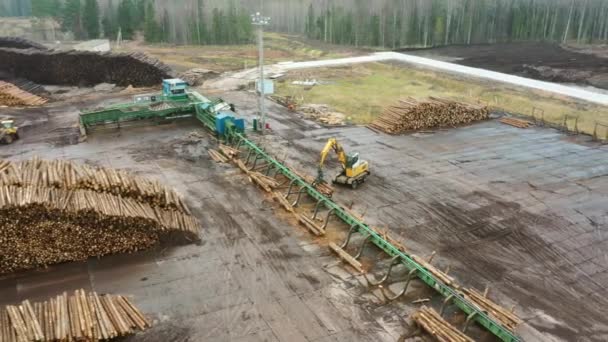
x=72, y=18
x=90, y=18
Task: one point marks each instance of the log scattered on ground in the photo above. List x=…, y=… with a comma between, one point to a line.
x=436, y=326
x=79, y=317
x=411, y=115
x=519, y=123
x=49, y=216
x=13, y=96
x=84, y=68
x=507, y=317
x=323, y=188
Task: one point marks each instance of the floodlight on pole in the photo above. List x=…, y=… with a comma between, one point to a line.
x=260, y=21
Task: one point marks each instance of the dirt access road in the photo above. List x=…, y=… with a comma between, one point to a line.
x=541, y=61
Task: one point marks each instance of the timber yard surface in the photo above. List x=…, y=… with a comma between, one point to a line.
x=518, y=212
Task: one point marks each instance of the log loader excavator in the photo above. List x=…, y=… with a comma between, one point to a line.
x=354, y=171
x=8, y=132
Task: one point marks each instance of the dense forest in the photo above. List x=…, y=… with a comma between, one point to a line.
x=384, y=23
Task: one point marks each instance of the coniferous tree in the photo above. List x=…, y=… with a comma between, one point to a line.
x=166, y=24
x=72, y=18
x=90, y=18
x=46, y=8
x=152, y=31
x=127, y=18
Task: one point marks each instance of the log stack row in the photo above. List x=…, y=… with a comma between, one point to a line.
x=80, y=317
x=411, y=115
x=84, y=68
x=46, y=220
x=13, y=96
x=67, y=175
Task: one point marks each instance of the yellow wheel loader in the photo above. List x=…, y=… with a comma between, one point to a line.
x=8, y=132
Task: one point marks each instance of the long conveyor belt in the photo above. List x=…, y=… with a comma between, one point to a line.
x=451, y=294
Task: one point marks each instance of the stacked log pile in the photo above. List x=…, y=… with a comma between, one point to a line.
x=80, y=317
x=20, y=43
x=47, y=217
x=13, y=96
x=411, y=114
x=437, y=327
x=67, y=175
x=84, y=68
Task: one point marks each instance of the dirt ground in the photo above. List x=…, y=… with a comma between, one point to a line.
x=522, y=211
x=541, y=61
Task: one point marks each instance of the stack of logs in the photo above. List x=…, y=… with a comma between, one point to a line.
x=12, y=96
x=84, y=68
x=67, y=175
x=81, y=317
x=411, y=114
x=436, y=326
x=52, y=212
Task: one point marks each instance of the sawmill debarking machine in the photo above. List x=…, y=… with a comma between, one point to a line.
x=176, y=101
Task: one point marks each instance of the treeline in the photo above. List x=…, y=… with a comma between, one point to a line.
x=124, y=18
x=383, y=23
x=440, y=22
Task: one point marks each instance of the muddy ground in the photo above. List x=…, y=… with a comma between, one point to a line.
x=542, y=61
x=523, y=211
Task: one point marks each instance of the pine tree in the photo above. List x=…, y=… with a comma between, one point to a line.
x=152, y=31
x=126, y=18
x=44, y=8
x=72, y=18
x=90, y=18
x=216, y=26
x=165, y=29
x=201, y=24
x=310, y=22
x=139, y=13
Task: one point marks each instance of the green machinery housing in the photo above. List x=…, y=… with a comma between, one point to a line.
x=176, y=101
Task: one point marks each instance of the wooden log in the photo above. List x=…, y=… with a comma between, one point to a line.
x=347, y=257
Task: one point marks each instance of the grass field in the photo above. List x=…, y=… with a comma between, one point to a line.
x=361, y=91
x=278, y=48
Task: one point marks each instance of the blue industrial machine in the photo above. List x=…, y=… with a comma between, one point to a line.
x=176, y=101
x=175, y=89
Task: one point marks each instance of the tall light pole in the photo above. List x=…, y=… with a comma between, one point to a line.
x=260, y=21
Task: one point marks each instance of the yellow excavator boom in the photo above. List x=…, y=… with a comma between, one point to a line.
x=354, y=171
x=332, y=143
